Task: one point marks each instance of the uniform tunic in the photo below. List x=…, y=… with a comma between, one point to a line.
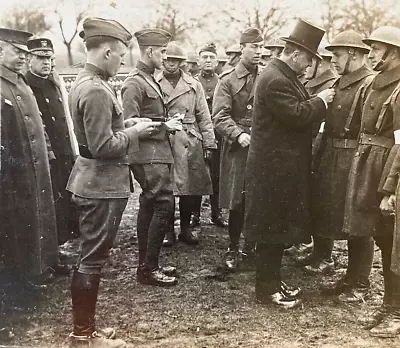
x=191, y=175
x=278, y=172
x=28, y=222
x=232, y=115
x=330, y=183
x=50, y=102
x=362, y=213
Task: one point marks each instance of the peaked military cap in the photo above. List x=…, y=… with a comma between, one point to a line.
x=251, y=35
x=152, y=37
x=41, y=47
x=16, y=38
x=209, y=47
x=95, y=27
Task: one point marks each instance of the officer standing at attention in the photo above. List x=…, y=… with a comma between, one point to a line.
x=232, y=117
x=99, y=179
x=142, y=97
x=49, y=98
x=208, y=78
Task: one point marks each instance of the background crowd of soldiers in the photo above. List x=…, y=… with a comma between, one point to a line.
x=293, y=137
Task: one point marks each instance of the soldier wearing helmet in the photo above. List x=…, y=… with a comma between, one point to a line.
x=233, y=53
x=342, y=126
x=193, y=145
x=275, y=46
x=192, y=68
x=375, y=168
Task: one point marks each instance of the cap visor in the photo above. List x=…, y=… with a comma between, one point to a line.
x=20, y=47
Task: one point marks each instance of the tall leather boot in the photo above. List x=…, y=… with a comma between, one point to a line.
x=144, y=218
x=185, y=209
x=84, y=290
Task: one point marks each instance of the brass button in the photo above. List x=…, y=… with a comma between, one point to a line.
x=53, y=118
x=372, y=105
x=19, y=98
x=47, y=100
x=249, y=107
x=339, y=107
x=369, y=139
x=26, y=117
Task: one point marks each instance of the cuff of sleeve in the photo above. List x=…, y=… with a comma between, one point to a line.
x=133, y=137
x=326, y=104
x=390, y=185
x=235, y=134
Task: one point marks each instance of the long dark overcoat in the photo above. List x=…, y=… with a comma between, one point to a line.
x=330, y=182
x=28, y=222
x=278, y=168
x=232, y=115
x=191, y=174
x=368, y=169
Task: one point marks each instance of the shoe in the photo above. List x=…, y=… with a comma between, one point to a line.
x=354, y=295
x=155, y=277
x=108, y=332
x=219, y=221
x=304, y=260
x=280, y=299
x=62, y=270
x=170, y=239
x=169, y=271
x=231, y=260
x=188, y=237
x=335, y=288
x=289, y=291
x=95, y=340
x=376, y=317
x=320, y=267
x=195, y=220
x=299, y=249
x=388, y=328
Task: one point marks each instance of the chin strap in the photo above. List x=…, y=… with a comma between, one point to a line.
x=378, y=66
x=346, y=67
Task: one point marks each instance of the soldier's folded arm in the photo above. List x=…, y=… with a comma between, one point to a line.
x=221, y=113
x=102, y=141
x=203, y=119
x=287, y=107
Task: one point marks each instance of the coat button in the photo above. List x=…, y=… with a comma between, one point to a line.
x=60, y=100
x=47, y=100
x=369, y=139
x=372, y=105
x=357, y=153
x=26, y=117
x=339, y=107
x=249, y=107
x=19, y=98
x=53, y=118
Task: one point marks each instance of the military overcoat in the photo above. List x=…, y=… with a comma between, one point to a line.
x=28, y=222
x=368, y=173
x=191, y=174
x=278, y=171
x=330, y=182
x=232, y=115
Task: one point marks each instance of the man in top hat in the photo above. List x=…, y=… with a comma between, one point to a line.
x=142, y=96
x=232, y=116
x=51, y=105
x=374, y=175
x=100, y=178
x=193, y=146
x=208, y=61
x=27, y=216
x=342, y=126
x=278, y=171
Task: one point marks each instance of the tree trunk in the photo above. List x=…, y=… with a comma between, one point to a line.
x=69, y=51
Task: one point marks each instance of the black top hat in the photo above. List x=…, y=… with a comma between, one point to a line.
x=306, y=35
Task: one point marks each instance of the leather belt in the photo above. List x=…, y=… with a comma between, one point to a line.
x=377, y=140
x=340, y=143
x=85, y=152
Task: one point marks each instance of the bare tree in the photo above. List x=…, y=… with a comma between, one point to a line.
x=331, y=17
x=29, y=18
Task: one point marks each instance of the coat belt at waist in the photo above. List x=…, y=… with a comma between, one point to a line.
x=377, y=140
x=340, y=143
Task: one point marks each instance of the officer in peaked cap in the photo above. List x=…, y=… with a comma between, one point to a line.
x=232, y=116
x=208, y=62
x=27, y=222
x=142, y=96
x=282, y=109
x=41, y=47
x=100, y=179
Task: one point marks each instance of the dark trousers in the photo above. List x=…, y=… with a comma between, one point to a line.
x=268, y=271
x=155, y=210
x=99, y=220
x=360, y=258
x=391, y=280
x=323, y=248
x=187, y=205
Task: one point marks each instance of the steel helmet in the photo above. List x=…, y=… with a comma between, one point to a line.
x=324, y=53
x=275, y=43
x=233, y=49
x=222, y=59
x=175, y=51
x=266, y=52
x=348, y=38
x=192, y=58
x=387, y=35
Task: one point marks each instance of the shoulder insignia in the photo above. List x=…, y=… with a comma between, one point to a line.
x=227, y=72
x=8, y=102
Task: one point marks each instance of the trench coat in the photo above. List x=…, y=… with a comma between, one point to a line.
x=232, y=115
x=28, y=222
x=102, y=169
x=51, y=105
x=191, y=175
x=369, y=169
x=330, y=181
x=278, y=171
